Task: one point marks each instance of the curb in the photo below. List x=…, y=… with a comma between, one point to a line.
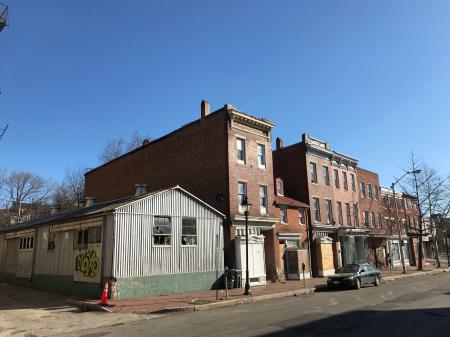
x=86, y=306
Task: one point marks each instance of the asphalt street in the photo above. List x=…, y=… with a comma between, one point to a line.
x=414, y=307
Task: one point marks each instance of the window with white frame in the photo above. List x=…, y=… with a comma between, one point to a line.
x=188, y=231
x=242, y=193
x=313, y=172
x=26, y=243
x=162, y=231
x=348, y=214
x=263, y=199
x=366, y=218
x=356, y=215
x=284, y=216
x=369, y=191
x=261, y=156
x=336, y=179
x=339, y=213
x=372, y=219
x=352, y=177
x=380, y=220
x=375, y=190
x=345, y=181
x=316, y=203
x=326, y=175
x=240, y=147
x=329, y=211
x=362, y=189
x=301, y=216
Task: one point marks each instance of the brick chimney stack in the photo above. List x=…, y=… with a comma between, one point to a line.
x=280, y=143
x=205, y=108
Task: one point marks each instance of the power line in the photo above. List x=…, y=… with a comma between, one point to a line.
x=2, y=131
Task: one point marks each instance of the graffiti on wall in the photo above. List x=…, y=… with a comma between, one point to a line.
x=87, y=263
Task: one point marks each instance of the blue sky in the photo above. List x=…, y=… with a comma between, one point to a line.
x=370, y=77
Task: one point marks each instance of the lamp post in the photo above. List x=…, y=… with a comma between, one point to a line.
x=246, y=208
x=400, y=241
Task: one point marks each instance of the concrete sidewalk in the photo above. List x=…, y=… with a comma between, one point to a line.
x=207, y=299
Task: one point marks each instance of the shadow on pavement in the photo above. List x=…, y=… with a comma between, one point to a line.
x=372, y=323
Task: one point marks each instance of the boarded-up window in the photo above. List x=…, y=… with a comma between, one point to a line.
x=189, y=232
x=162, y=231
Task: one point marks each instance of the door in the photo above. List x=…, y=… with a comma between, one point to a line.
x=363, y=275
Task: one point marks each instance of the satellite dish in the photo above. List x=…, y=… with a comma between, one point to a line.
x=4, y=21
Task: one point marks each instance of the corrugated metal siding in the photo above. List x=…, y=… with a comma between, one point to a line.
x=134, y=252
x=108, y=243
x=2, y=253
x=59, y=261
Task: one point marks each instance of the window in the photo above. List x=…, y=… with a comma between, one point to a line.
x=345, y=181
x=261, y=156
x=88, y=235
x=162, y=231
x=188, y=231
x=326, y=176
x=355, y=215
x=384, y=201
x=380, y=221
x=362, y=189
x=329, y=212
x=339, y=213
x=348, y=214
x=313, y=172
x=240, y=146
x=263, y=199
x=352, y=176
x=26, y=243
x=366, y=218
x=316, y=203
x=375, y=190
x=51, y=245
x=372, y=219
x=301, y=216
x=242, y=193
x=284, y=217
x=336, y=178
x=280, y=187
x=369, y=191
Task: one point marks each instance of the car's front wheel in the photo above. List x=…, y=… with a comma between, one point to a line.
x=377, y=281
x=357, y=284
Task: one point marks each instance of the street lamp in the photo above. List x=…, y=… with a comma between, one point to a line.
x=400, y=241
x=246, y=207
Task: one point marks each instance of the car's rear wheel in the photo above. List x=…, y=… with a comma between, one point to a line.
x=377, y=281
x=357, y=283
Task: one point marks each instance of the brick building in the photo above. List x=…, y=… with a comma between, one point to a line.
x=292, y=248
x=371, y=215
x=221, y=158
x=326, y=180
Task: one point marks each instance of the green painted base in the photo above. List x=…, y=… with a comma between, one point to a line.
x=60, y=284
x=136, y=287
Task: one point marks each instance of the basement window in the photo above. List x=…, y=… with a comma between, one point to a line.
x=162, y=231
x=189, y=232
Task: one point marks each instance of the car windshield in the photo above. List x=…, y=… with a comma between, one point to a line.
x=351, y=268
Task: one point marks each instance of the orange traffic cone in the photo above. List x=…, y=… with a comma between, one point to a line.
x=104, y=298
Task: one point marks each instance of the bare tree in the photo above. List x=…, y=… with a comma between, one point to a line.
x=432, y=193
x=27, y=194
x=69, y=193
x=116, y=147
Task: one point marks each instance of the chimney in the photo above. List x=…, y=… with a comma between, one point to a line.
x=89, y=201
x=205, y=108
x=141, y=189
x=280, y=143
x=55, y=209
x=145, y=141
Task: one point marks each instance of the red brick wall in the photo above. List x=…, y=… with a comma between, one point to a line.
x=370, y=204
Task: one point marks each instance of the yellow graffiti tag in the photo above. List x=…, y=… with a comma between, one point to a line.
x=87, y=263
